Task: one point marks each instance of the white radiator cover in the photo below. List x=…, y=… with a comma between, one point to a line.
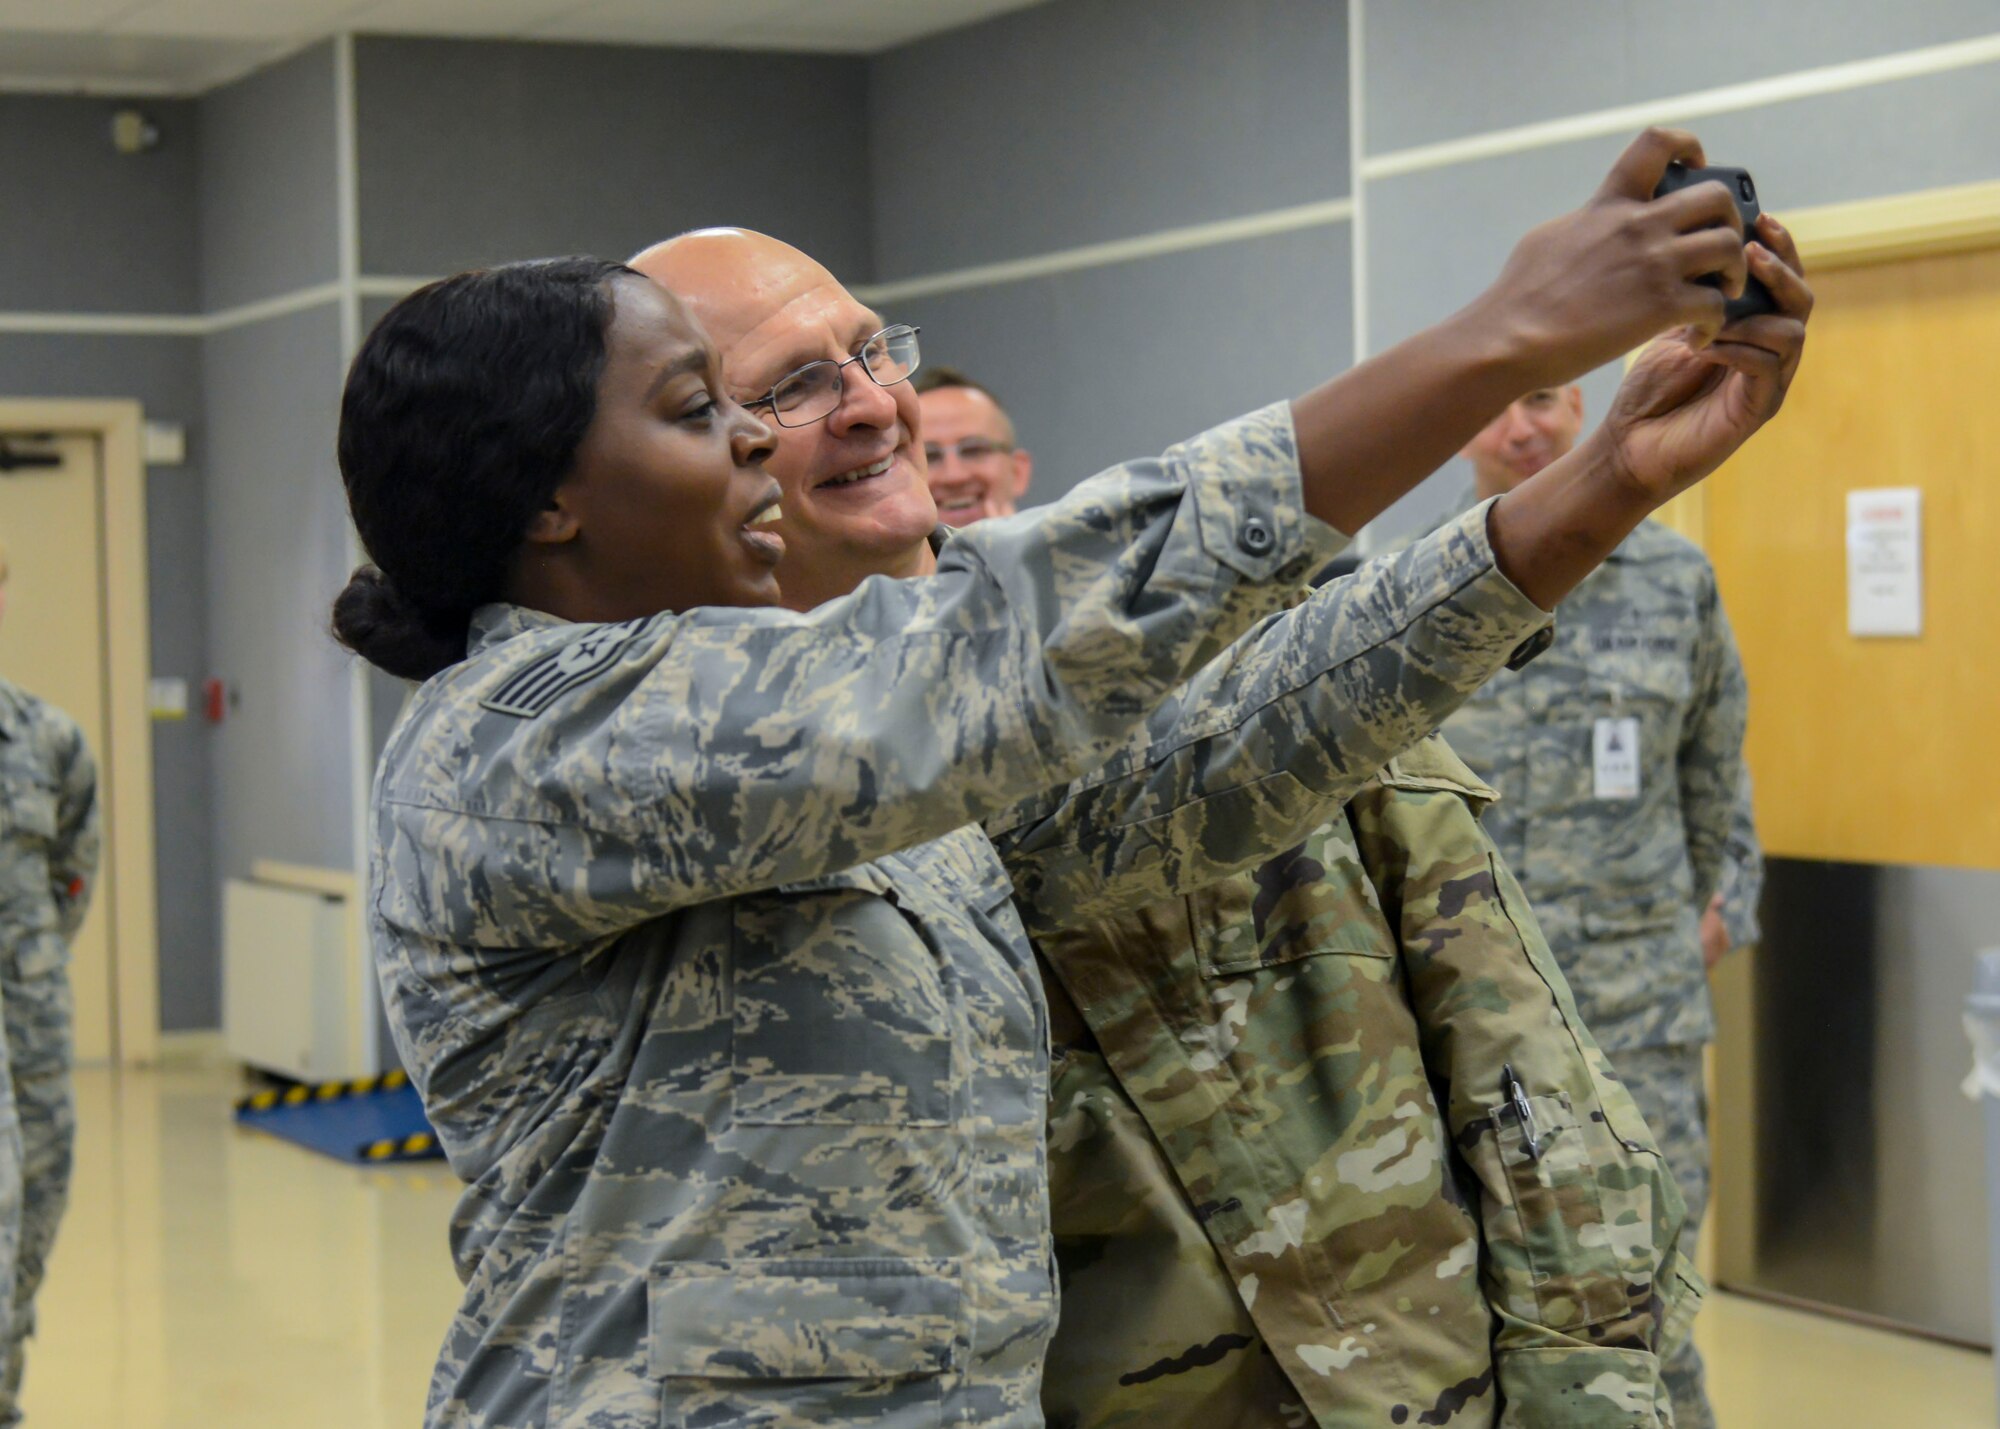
x=295, y=989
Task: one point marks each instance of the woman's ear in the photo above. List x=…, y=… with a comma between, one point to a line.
x=555, y=523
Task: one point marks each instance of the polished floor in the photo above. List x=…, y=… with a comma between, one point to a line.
x=214, y=1279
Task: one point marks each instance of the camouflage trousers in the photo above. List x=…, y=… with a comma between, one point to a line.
x=1667, y=1084
x=38, y=1129
x=1186, y=1356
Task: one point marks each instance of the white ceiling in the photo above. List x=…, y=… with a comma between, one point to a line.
x=186, y=46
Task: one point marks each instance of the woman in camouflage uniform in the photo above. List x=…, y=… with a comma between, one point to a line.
x=713, y=990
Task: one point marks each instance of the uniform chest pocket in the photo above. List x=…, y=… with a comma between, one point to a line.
x=1658, y=674
x=805, y=1341
x=843, y=1011
x=1309, y=901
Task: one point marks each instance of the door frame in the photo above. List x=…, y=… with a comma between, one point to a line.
x=1869, y=230
x=128, y=807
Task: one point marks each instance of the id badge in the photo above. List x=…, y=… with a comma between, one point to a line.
x=1615, y=758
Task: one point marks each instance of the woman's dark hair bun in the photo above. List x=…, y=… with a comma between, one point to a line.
x=462, y=415
x=374, y=620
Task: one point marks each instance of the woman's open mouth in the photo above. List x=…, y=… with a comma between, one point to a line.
x=758, y=535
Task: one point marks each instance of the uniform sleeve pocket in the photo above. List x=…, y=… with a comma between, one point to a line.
x=1557, y=1237
x=884, y=1319
x=1684, y=1295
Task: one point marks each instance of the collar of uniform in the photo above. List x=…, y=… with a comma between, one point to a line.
x=939, y=535
x=498, y=623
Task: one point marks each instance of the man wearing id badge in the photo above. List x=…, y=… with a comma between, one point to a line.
x=1625, y=805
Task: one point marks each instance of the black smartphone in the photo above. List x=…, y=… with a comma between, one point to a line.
x=1756, y=297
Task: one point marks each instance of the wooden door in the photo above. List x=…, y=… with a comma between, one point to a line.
x=52, y=644
x=1875, y=750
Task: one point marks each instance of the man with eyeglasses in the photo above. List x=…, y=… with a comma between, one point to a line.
x=1285, y=726
x=977, y=469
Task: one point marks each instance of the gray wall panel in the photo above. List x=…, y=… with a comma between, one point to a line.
x=1429, y=256
x=164, y=374
x=1445, y=69
x=1865, y=143
x=476, y=152
x=277, y=553
x=268, y=195
x=1078, y=122
x=1121, y=361
x=1424, y=267
x=89, y=229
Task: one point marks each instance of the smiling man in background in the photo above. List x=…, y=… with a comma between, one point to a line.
x=975, y=464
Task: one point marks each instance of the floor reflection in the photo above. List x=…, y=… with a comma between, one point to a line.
x=209, y=1278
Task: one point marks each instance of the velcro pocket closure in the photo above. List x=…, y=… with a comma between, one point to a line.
x=864, y=878
x=879, y=1319
x=842, y=1010
x=1683, y=1292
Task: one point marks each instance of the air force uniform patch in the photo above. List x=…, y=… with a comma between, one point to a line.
x=540, y=683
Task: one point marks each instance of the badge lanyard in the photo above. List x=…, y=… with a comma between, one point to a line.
x=1614, y=743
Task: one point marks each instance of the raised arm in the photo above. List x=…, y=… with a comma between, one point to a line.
x=1265, y=744
x=1258, y=753
x=606, y=775
x=1577, y=292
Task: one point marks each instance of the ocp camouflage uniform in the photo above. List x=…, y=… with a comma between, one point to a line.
x=1619, y=883
x=715, y=993
x=1288, y=1187
x=48, y=861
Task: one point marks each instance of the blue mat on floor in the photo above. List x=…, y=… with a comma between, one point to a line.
x=364, y=1123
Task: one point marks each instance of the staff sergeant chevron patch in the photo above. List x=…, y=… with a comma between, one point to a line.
x=540, y=683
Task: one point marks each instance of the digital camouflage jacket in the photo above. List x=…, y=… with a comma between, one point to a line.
x=49, y=843
x=714, y=989
x=1619, y=872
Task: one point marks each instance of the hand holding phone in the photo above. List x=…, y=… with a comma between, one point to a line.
x=1756, y=298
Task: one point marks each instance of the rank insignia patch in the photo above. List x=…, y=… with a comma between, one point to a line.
x=540, y=683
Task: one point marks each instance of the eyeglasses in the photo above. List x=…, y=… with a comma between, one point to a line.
x=812, y=393
x=968, y=450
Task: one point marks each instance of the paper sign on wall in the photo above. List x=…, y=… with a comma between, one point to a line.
x=1885, y=561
